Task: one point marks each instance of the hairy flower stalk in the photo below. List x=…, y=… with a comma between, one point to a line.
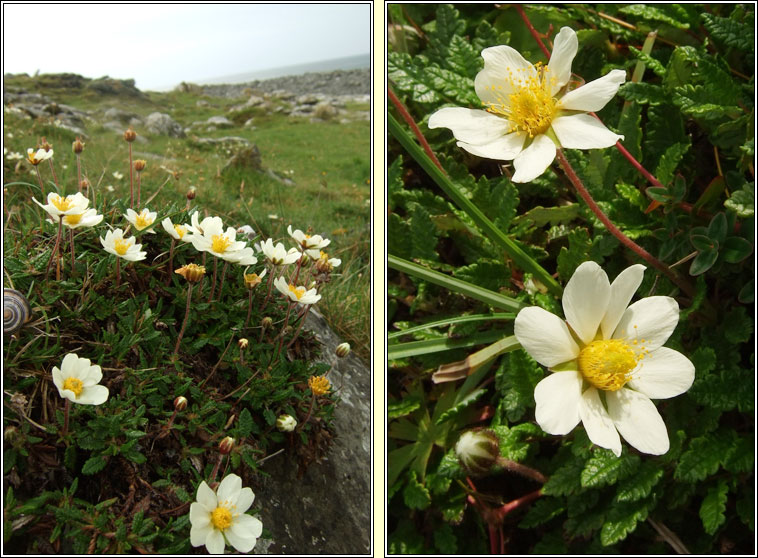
x=139, y=166
x=129, y=136
x=193, y=274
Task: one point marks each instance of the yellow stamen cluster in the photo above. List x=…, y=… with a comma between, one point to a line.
x=319, y=385
x=143, y=220
x=220, y=243
x=221, y=518
x=531, y=107
x=298, y=291
x=608, y=364
x=120, y=246
x=73, y=219
x=252, y=280
x=74, y=384
x=180, y=230
x=63, y=204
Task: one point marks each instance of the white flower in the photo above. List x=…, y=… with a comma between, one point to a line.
x=307, y=241
x=89, y=218
x=530, y=111
x=219, y=243
x=78, y=379
x=323, y=257
x=117, y=175
x=608, y=360
x=178, y=232
x=279, y=255
x=221, y=515
x=286, y=423
x=244, y=257
x=141, y=220
x=70, y=205
x=39, y=156
x=115, y=243
x=14, y=155
x=296, y=294
x=198, y=227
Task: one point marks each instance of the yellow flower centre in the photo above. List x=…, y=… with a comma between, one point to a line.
x=143, y=220
x=181, y=231
x=608, y=364
x=319, y=385
x=530, y=107
x=221, y=518
x=63, y=204
x=220, y=243
x=120, y=246
x=72, y=219
x=75, y=385
x=298, y=291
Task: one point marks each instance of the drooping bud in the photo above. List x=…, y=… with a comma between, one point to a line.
x=180, y=403
x=342, y=350
x=242, y=343
x=477, y=451
x=226, y=445
x=130, y=135
x=46, y=146
x=286, y=423
x=139, y=165
x=191, y=272
x=78, y=145
x=252, y=280
x=191, y=193
x=267, y=322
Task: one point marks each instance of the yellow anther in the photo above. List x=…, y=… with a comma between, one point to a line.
x=220, y=243
x=121, y=246
x=221, y=518
x=74, y=384
x=608, y=364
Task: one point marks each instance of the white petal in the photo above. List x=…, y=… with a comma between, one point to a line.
x=623, y=288
x=585, y=300
x=564, y=51
x=93, y=376
x=582, y=131
x=504, y=148
x=638, y=421
x=534, y=160
x=70, y=365
x=199, y=516
x=214, y=542
x=247, y=525
x=504, y=68
x=206, y=497
x=229, y=489
x=594, y=95
x=199, y=534
x=649, y=321
x=544, y=336
x=470, y=125
x=597, y=423
x=245, y=499
x=557, y=399
x=663, y=373
x=58, y=377
x=93, y=395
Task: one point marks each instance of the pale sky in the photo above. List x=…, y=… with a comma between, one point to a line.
x=161, y=45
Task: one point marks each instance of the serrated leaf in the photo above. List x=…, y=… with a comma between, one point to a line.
x=670, y=160
x=516, y=381
x=94, y=465
x=704, y=456
x=445, y=540
x=738, y=326
x=542, y=511
x=604, y=468
x=404, y=407
x=732, y=33
x=742, y=458
x=541, y=216
x=488, y=274
x=465, y=402
x=652, y=13
x=566, y=479
x=513, y=443
x=644, y=93
x=449, y=466
x=394, y=181
x=447, y=27
x=742, y=203
x=463, y=58
x=423, y=234
x=639, y=485
x=407, y=74
x=746, y=508
x=622, y=520
x=245, y=423
x=415, y=495
x=570, y=258
x=713, y=507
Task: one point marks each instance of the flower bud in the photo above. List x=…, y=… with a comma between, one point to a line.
x=78, y=145
x=191, y=272
x=191, y=193
x=242, y=343
x=252, y=280
x=180, y=403
x=286, y=423
x=226, y=445
x=477, y=451
x=139, y=165
x=266, y=322
x=130, y=135
x=342, y=350
x=46, y=146
x=11, y=433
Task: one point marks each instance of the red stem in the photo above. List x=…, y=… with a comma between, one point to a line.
x=186, y=316
x=131, y=180
x=416, y=130
x=532, y=30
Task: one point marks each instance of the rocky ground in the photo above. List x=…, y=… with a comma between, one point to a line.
x=336, y=83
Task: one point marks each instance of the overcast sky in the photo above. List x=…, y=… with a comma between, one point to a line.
x=161, y=45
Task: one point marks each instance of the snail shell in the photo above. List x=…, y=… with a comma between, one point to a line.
x=16, y=311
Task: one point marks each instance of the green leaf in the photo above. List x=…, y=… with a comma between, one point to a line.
x=94, y=465
x=622, y=520
x=487, y=274
x=542, y=511
x=644, y=93
x=736, y=249
x=415, y=495
x=465, y=402
x=404, y=407
x=746, y=508
x=717, y=227
x=738, y=326
x=737, y=34
x=541, y=216
x=713, y=507
x=742, y=202
x=408, y=75
x=703, y=243
x=570, y=258
x=704, y=261
x=704, y=359
x=395, y=183
x=605, y=468
x=704, y=456
x=453, y=87
x=670, y=160
x=447, y=27
x=245, y=423
x=464, y=59
x=742, y=458
x=639, y=485
x=423, y=233
x=651, y=13
x=514, y=441
x=515, y=381
x=565, y=480
x=445, y=540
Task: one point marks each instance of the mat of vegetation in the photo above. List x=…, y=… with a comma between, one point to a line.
x=512, y=430
x=148, y=353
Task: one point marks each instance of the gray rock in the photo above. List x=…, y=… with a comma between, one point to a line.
x=163, y=124
x=248, y=158
x=118, y=115
x=328, y=510
x=220, y=122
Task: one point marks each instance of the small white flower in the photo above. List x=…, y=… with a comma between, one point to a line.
x=296, y=294
x=279, y=255
x=608, y=360
x=323, y=257
x=244, y=257
x=199, y=227
x=89, y=218
x=117, y=175
x=307, y=241
x=141, y=220
x=39, y=156
x=530, y=111
x=110, y=188
x=286, y=423
x=77, y=380
x=14, y=156
x=219, y=517
x=178, y=232
x=70, y=205
x=115, y=243
x=221, y=244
